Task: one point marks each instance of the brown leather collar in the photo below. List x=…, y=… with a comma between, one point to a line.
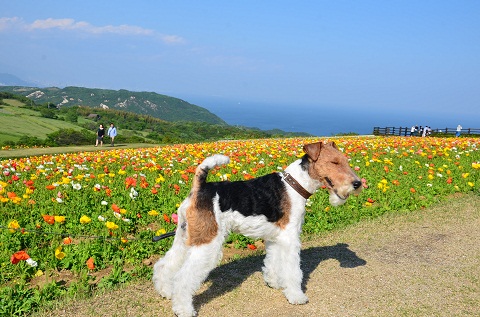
x=295, y=185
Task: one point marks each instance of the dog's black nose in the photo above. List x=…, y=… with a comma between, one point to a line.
x=357, y=184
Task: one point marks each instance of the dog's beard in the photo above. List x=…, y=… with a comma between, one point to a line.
x=336, y=200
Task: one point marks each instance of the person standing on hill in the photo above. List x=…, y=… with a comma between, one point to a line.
x=112, y=133
x=100, y=135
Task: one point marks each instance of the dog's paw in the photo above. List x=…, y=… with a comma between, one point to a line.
x=184, y=312
x=296, y=297
x=271, y=282
x=164, y=293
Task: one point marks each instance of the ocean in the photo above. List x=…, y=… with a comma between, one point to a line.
x=325, y=120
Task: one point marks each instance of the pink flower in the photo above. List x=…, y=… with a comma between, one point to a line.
x=364, y=183
x=175, y=218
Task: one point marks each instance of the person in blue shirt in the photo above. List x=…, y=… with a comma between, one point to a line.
x=112, y=133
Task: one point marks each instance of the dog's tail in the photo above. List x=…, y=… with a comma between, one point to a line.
x=210, y=162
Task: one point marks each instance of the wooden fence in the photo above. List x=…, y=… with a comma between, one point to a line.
x=405, y=131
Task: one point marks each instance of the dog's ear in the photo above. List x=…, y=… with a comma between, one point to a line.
x=334, y=145
x=313, y=150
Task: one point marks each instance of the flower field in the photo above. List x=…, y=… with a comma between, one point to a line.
x=87, y=213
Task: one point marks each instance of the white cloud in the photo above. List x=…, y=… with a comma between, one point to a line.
x=7, y=23
x=16, y=23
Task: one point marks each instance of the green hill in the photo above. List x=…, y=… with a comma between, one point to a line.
x=145, y=103
x=17, y=121
x=24, y=123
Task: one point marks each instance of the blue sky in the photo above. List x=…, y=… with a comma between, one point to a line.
x=370, y=55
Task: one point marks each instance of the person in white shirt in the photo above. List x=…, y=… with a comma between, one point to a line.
x=112, y=133
x=459, y=130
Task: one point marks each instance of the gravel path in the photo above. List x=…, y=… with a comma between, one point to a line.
x=425, y=263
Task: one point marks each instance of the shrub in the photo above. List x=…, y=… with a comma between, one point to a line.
x=70, y=137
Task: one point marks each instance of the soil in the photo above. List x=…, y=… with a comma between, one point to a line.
x=423, y=263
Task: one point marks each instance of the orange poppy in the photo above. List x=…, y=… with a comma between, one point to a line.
x=130, y=182
x=166, y=218
x=115, y=208
x=49, y=219
x=11, y=195
x=91, y=263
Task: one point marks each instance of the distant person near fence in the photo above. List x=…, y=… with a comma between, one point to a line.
x=459, y=131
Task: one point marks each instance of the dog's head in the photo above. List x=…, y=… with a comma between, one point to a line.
x=328, y=165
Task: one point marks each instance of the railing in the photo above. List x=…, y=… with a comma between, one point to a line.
x=405, y=131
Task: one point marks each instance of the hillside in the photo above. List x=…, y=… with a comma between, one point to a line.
x=146, y=103
x=16, y=122
x=25, y=123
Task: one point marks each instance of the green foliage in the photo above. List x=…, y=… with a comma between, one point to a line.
x=29, y=141
x=71, y=115
x=345, y=134
x=8, y=95
x=48, y=113
x=66, y=137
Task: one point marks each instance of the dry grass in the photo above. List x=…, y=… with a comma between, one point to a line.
x=416, y=264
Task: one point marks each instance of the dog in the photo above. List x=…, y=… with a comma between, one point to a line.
x=271, y=207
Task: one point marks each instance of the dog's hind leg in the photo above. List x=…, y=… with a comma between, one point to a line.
x=200, y=260
x=166, y=268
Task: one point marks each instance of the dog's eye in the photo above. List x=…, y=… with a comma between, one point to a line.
x=335, y=162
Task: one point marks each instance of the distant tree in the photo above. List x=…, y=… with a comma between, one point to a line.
x=71, y=115
x=48, y=113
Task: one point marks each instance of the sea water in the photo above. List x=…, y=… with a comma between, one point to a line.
x=327, y=120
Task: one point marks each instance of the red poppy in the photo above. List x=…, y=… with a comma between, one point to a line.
x=251, y=247
x=19, y=256
x=50, y=187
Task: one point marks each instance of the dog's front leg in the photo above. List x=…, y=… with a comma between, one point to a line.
x=287, y=263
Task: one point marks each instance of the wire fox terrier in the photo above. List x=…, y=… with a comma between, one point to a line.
x=271, y=207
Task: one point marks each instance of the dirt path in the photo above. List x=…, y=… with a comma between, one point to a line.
x=425, y=263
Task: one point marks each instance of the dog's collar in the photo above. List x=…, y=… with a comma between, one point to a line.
x=295, y=185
